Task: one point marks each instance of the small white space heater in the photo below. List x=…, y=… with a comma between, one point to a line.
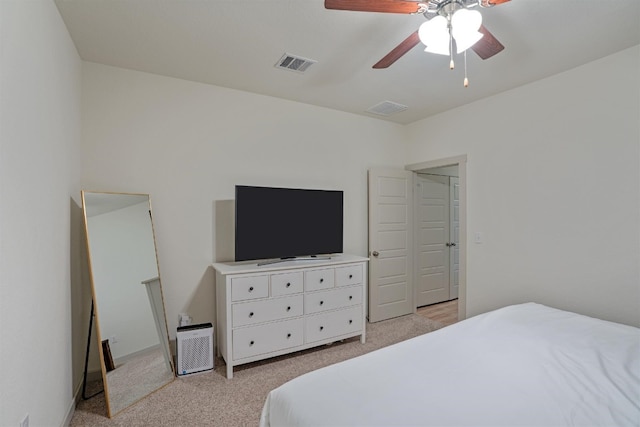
x=194, y=348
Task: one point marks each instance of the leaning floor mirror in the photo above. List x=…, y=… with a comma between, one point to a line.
x=129, y=311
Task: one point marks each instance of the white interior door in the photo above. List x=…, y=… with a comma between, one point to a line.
x=433, y=244
x=454, y=236
x=390, y=243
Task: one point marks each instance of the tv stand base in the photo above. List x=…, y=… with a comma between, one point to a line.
x=295, y=258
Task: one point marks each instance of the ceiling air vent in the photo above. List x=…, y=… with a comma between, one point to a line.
x=294, y=63
x=386, y=108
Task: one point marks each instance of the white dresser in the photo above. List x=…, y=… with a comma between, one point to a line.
x=269, y=310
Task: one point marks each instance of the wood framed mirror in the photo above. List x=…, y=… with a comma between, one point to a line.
x=129, y=310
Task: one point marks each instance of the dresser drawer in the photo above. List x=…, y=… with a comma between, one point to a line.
x=350, y=275
x=318, y=279
x=268, y=338
x=250, y=313
x=286, y=283
x=332, y=299
x=333, y=324
x=251, y=287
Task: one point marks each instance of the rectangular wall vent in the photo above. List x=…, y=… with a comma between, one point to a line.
x=295, y=63
x=386, y=108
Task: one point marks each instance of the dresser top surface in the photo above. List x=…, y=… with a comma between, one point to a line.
x=253, y=267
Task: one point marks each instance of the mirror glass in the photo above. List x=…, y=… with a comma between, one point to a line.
x=130, y=318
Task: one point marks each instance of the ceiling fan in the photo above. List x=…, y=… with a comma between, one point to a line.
x=440, y=14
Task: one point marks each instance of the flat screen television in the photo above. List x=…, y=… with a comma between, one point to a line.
x=281, y=223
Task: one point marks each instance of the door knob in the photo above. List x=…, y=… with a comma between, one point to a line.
x=375, y=253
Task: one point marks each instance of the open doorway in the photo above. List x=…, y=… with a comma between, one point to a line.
x=440, y=242
x=436, y=225
x=436, y=254
x=445, y=313
x=392, y=251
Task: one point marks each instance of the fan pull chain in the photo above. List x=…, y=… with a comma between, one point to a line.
x=466, y=80
x=451, y=65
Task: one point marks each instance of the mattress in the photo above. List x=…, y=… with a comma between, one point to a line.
x=522, y=365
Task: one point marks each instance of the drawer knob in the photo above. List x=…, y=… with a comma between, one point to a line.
x=251, y=314
x=251, y=343
x=350, y=321
x=351, y=276
x=350, y=297
x=251, y=289
x=321, y=327
x=321, y=280
x=288, y=335
x=289, y=308
x=288, y=285
x=321, y=302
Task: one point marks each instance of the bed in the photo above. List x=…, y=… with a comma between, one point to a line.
x=522, y=365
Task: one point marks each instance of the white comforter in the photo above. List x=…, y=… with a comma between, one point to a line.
x=522, y=365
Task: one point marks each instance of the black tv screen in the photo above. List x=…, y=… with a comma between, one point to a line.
x=287, y=222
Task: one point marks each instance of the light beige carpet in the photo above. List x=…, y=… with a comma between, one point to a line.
x=209, y=399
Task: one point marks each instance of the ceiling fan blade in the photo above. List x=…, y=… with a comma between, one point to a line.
x=404, y=47
x=384, y=6
x=489, y=3
x=488, y=45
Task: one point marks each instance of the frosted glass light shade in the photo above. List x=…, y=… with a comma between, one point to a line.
x=434, y=34
x=465, y=24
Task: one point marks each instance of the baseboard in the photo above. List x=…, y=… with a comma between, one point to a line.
x=72, y=405
x=77, y=396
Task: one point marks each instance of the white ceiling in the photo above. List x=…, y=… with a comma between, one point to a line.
x=235, y=44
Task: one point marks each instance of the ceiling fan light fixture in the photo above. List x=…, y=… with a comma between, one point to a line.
x=434, y=34
x=464, y=42
x=465, y=24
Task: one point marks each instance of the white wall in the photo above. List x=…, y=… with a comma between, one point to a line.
x=188, y=144
x=554, y=185
x=40, y=82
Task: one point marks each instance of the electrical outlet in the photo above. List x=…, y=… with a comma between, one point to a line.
x=113, y=339
x=25, y=421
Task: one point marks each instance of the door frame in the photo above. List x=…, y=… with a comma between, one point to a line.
x=461, y=162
